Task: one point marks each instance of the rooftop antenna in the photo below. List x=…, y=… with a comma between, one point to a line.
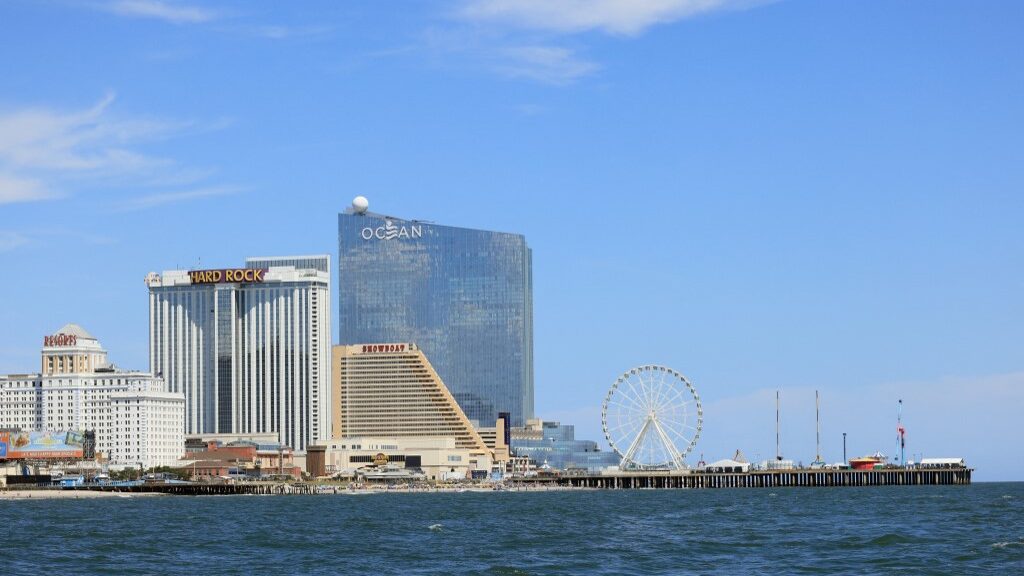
x=817, y=429
x=778, y=453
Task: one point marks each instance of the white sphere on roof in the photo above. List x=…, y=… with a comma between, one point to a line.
x=360, y=204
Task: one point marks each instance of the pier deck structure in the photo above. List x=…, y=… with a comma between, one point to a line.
x=765, y=479
x=624, y=480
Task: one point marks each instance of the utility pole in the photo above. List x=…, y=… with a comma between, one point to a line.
x=778, y=452
x=900, y=433
x=817, y=429
x=845, y=461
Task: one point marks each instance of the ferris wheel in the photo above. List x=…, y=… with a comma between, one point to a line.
x=652, y=418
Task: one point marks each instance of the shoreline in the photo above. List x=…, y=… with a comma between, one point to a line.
x=74, y=494
x=18, y=495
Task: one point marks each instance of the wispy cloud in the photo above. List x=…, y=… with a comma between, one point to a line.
x=14, y=189
x=549, y=64
x=47, y=153
x=611, y=16
x=89, y=140
x=167, y=11
x=529, y=34
x=281, y=32
x=163, y=198
x=227, y=22
x=9, y=240
x=530, y=110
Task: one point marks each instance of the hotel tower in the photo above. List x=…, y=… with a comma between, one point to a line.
x=463, y=296
x=249, y=347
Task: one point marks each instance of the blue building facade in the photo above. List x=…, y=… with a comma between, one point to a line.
x=464, y=296
x=555, y=444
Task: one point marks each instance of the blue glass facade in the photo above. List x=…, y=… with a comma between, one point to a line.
x=465, y=297
x=555, y=444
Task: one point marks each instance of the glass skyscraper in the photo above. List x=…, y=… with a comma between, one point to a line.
x=464, y=296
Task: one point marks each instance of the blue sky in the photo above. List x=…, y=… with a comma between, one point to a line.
x=790, y=195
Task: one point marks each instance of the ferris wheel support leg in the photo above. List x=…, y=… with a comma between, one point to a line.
x=629, y=455
x=677, y=458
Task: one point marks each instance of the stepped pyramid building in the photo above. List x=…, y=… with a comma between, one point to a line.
x=392, y=391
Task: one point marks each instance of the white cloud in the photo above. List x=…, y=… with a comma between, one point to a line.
x=85, y=141
x=162, y=198
x=178, y=13
x=550, y=64
x=166, y=11
x=47, y=153
x=14, y=189
x=612, y=16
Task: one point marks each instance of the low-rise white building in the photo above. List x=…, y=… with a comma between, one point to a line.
x=137, y=422
x=438, y=457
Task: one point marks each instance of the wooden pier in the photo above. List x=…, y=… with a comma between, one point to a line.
x=766, y=479
x=618, y=481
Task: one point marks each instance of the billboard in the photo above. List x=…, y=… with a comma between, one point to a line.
x=25, y=445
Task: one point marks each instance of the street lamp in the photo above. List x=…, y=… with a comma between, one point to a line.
x=844, y=448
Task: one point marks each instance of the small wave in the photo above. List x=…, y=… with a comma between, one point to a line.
x=1007, y=497
x=772, y=494
x=1008, y=544
x=435, y=527
x=891, y=539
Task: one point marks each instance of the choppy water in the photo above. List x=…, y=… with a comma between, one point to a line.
x=975, y=529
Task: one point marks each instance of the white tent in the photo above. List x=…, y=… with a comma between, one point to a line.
x=727, y=465
x=942, y=462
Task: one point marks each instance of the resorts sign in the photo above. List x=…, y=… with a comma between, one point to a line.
x=60, y=340
x=389, y=231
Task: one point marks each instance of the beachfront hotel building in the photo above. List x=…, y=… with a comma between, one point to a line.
x=463, y=296
x=248, y=347
x=136, y=420
x=391, y=390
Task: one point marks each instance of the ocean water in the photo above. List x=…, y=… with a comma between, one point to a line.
x=976, y=529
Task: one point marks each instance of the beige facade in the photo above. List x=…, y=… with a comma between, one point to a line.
x=71, y=350
x=494, y=438
x=437, y=457
x=392, y=391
